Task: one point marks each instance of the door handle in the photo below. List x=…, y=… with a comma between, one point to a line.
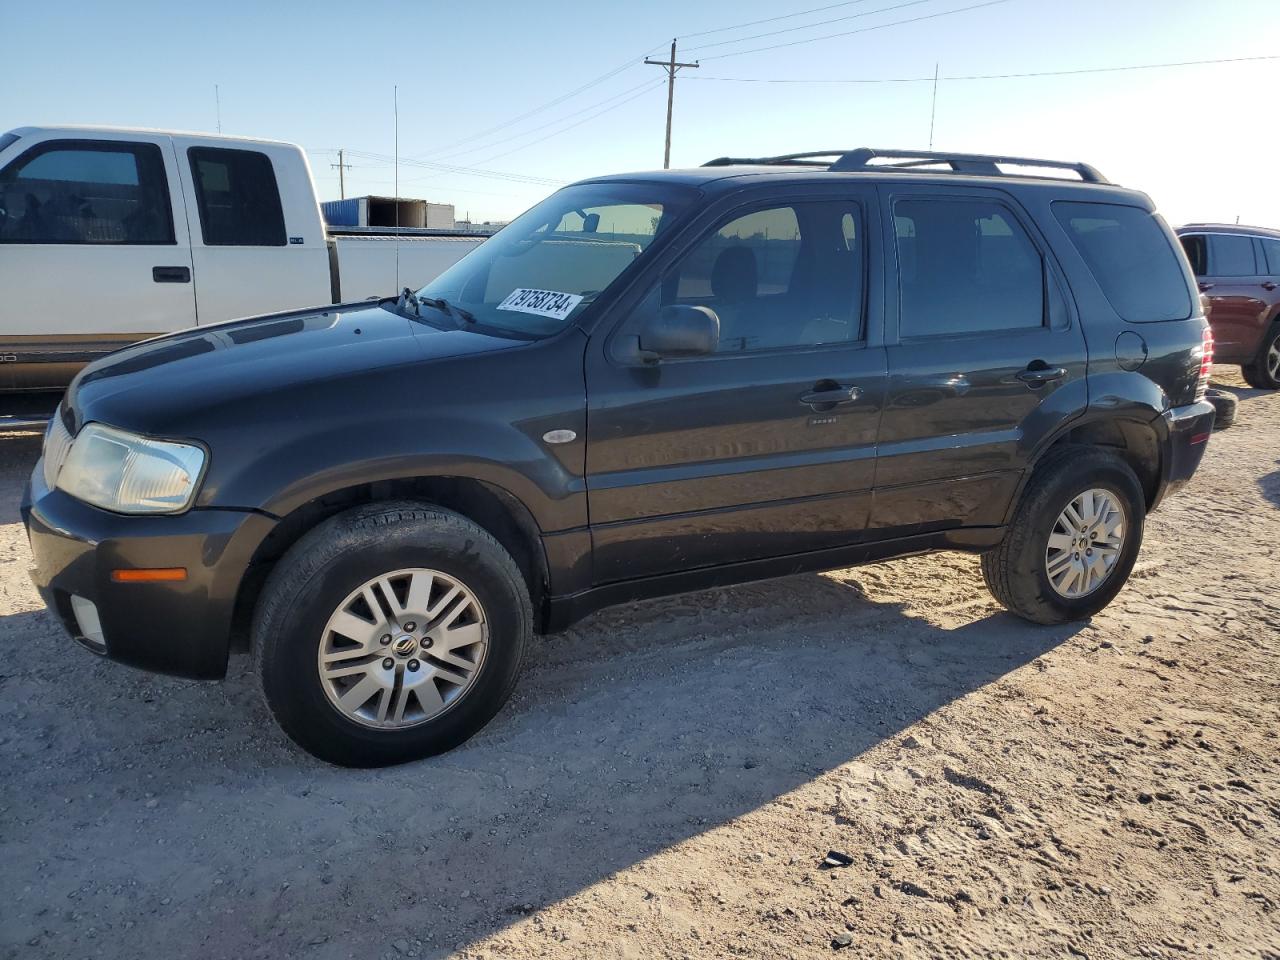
x=1038, y=375
x=824, y=396
x=1205, y=286
x=1269, y=285
x=171, y=274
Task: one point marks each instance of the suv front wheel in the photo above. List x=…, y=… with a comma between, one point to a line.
x=389, y=633
x=1074, y=538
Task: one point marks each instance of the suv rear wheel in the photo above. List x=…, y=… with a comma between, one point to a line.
x=1073, y=540
x=389, y=633
x=1264, y=372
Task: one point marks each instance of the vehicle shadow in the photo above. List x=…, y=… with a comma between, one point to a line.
x=1241, y=390
x=176, y=811
x=1270, y=486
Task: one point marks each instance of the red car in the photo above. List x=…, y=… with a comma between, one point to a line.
x=1238, y=269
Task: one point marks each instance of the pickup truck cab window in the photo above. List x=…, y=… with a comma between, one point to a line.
x=237, y=197
x=86, y=192
x=549, y=265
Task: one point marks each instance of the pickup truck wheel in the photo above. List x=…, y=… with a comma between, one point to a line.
x=1264, y=372
x=390, y=633
x=1074, y=538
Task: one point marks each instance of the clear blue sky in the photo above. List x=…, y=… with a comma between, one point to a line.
x=1203, y=141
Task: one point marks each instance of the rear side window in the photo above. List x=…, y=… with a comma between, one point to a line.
x=1231, y=256
x=86, y=192
x=237, y=197
x=965, y=266
x=1129, y=253
x=1197, y=253
x=1271, y=250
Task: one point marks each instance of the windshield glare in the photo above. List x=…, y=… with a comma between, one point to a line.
x=537, y=274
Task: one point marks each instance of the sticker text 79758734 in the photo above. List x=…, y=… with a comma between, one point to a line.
x=545, y=303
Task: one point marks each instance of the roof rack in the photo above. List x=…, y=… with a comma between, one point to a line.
x=912, y=161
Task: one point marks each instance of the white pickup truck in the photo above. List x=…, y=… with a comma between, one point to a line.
x=109, y=236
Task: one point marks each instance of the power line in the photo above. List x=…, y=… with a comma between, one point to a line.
x=556, y=133
x=630, y=62
x=453, y=168
x=785, y=16
x=849, y=33
x=810, y=26
x=529, y=133
x=992, y=76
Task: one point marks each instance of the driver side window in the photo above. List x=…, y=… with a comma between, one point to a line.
x=777, y=277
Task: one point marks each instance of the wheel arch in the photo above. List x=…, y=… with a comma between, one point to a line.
x=500, y=513
x=1136, y=439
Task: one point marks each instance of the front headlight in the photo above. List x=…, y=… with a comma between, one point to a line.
x=126, y=473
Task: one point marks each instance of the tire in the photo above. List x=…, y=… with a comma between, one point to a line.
x=404, y=547
x=1017, y=571
x=1224, y=407
x=1264, y=372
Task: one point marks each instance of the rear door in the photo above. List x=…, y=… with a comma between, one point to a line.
x=91, y=253
x=729, y=457
x=983, y=354
x=258, y=243
x=1232, y=274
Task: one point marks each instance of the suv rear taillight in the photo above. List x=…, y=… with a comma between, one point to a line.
x=1206, y=363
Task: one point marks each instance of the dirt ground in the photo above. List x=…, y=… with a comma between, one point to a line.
x=670, y=775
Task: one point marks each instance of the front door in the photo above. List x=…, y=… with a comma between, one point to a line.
x=91, y=255
x=983, y=353
x=765, y=448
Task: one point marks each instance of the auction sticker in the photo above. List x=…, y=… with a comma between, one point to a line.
x=545, y=303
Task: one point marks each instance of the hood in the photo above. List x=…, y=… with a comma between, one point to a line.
x=159, y=385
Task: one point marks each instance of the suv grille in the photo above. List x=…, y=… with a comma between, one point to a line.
x=57, y=442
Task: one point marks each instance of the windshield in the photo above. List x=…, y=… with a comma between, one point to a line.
x=535, y=275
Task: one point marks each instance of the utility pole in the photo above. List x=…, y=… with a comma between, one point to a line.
x=217, y=98
x=340, y=166
x=671, y=67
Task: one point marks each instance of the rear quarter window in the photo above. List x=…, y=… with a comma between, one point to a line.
x=1129, y=253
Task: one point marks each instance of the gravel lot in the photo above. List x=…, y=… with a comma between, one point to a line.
x=670, y=775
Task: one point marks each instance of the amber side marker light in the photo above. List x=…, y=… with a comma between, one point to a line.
x=150, y=575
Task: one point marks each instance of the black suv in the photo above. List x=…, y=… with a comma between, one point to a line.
x=646, y=384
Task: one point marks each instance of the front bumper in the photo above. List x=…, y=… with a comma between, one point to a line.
x=1187, y=430
x=182, y=628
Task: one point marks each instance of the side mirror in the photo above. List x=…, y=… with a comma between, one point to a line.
x=680, y=330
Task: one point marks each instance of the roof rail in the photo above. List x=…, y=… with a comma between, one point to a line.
x=915, y=161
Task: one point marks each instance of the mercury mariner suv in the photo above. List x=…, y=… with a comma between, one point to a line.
x=649, y=383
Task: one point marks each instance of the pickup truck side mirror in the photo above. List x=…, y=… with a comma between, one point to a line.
x=680, y=330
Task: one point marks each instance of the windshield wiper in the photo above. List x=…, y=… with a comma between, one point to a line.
x=409, y=298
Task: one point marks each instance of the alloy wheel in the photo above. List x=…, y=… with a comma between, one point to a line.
x=1085, y=544
x=402, y=648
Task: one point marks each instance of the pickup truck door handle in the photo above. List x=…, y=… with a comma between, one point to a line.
x=1269, y=285
x=826, y=395
x=171, y=274
x=1205, y=286
x=1038, y=374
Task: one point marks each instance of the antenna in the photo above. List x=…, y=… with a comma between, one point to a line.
x=217, y=98
x=395, y=105
x=933, y=110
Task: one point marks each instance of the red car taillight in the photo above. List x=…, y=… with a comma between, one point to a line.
x=1206, y=363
